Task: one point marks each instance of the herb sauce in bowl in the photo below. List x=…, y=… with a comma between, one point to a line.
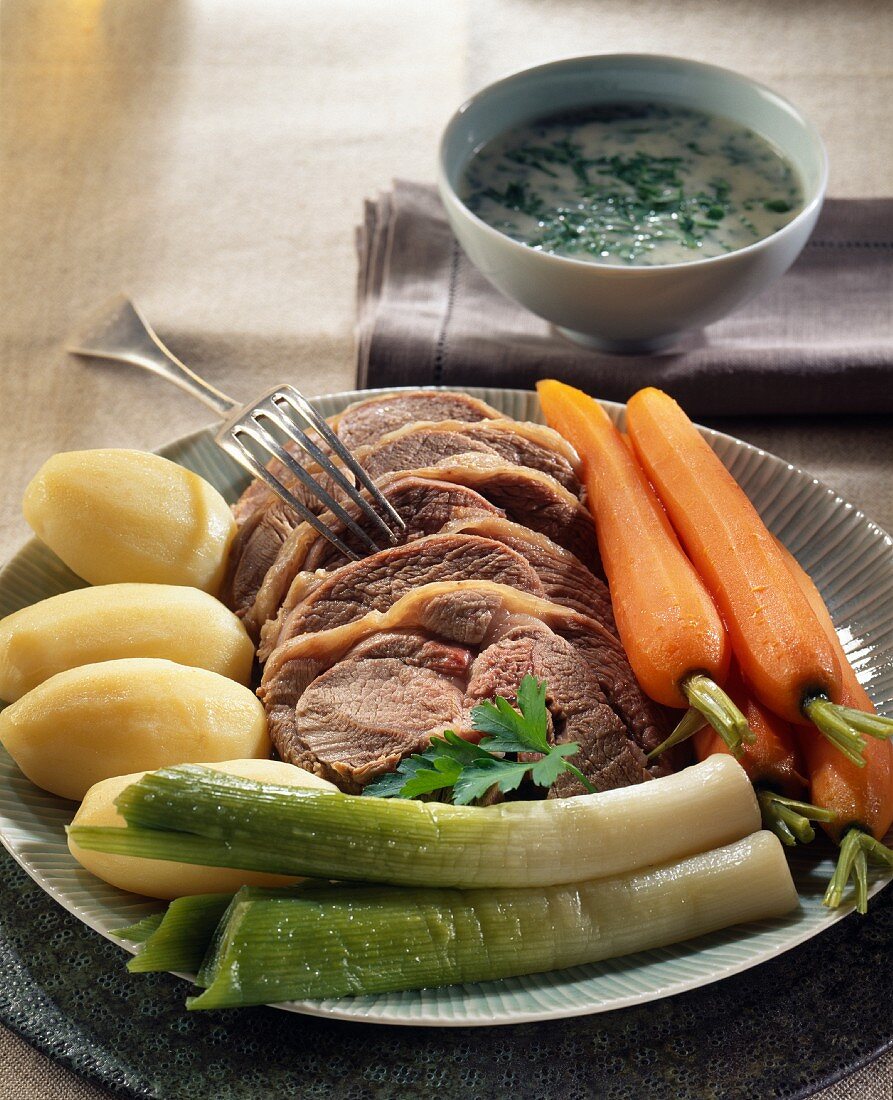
x=633, y=184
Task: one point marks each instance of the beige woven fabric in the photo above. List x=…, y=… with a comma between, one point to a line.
x=212, y=157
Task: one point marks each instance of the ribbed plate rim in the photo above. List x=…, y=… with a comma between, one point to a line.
x=466, y=1013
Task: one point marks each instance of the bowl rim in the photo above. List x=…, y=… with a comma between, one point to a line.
x=810, y=210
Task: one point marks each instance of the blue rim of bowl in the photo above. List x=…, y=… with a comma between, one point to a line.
x=449, y=194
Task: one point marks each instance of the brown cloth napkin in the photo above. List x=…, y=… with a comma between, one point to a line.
x=820, y=340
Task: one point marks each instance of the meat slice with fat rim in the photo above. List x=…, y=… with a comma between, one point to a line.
x=314, y=597
x=425, y=444
x=564, y=577
x=382, y=701
x=259, y=539
x=515, y=441
x=375, y=583
x=612, y=721
x=368, y=420
x=528, y=497
x=360, y=424
x=425, y=504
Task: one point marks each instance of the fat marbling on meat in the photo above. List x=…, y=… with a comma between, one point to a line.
x=498, y=575
x=484, y=637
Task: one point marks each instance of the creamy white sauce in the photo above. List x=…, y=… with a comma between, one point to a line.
x=633, y=184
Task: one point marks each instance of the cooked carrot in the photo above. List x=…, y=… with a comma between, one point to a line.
x=779, y=644
x=667, y=621
x=773, y=763
x=773, y=758
x=861, y=798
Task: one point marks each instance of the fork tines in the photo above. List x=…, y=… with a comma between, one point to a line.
x=282, y=407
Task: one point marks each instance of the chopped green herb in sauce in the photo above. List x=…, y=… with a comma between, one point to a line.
x=633, y=184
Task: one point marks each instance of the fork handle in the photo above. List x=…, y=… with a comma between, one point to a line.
x=129, y=338
x=154, y=356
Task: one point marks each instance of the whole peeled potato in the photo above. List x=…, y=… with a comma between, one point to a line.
x=159, y=878
x=120, y=620
x=137, y=714
x=118, y=515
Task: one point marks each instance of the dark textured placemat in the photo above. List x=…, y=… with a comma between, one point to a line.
x=781, y=1030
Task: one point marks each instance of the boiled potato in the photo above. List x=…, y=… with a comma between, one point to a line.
x=160, y=878
x=140, y=713
x=120, y=620
x=117, y=515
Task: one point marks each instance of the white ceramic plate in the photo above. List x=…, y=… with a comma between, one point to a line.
x=851, y=560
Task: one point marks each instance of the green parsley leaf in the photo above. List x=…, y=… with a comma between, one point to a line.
x=389, y=785
x=479, y=777
x=417, y=774
x=510, y=731
x=444, y=773
x=459, y=749
x=433, y=770
x=472, y=770
x=544, y=772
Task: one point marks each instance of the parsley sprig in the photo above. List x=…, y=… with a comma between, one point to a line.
x=471, y=770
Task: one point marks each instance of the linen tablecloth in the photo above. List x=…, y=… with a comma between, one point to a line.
x=212, y=157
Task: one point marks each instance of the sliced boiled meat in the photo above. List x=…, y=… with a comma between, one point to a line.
x=380, y=703
x=529, y=497
x=517, y=442
x=377, y=582
x=425, y=505
x=257, y=544
x=564, y=577
x=525, y=496
x=358, y=425
x=497, y=574
x=367, y=421
x=608, y=756
x=506, y=633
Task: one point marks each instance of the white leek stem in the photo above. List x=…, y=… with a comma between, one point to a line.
x=329, y=942
x=195, y=815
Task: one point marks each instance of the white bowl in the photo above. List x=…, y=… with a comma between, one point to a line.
x=629, y=309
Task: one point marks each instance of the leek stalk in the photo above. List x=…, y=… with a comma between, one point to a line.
x=141, y=931
x=193, y=814
x=181, y=939
x=331, y=941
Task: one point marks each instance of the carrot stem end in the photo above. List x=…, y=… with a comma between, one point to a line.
x=855, y=849
x=688, y=725
x=790, y=819
x=872, y=725
x=706, y=696
x=833, y=723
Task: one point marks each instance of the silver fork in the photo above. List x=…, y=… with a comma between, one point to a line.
x=121, y=333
